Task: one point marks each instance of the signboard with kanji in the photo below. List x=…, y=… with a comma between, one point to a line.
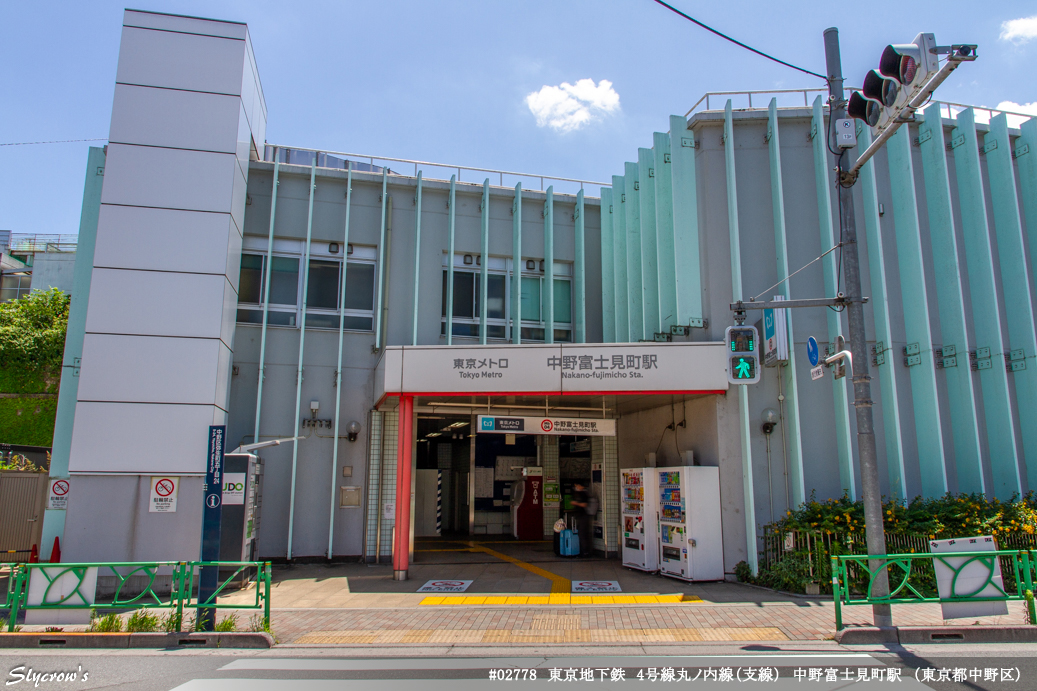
x=555, y=426
x=563, y=368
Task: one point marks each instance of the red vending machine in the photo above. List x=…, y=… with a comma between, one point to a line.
x=527, y=505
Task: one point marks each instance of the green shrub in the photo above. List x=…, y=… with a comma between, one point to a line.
x=142, y=621
x=171, y=621
x=744, y=573
x=228, y=623
x=258, y=623
x=32, y=342
x=109, y=623
x=946, y=517
x=837, y=526
x=28, y=421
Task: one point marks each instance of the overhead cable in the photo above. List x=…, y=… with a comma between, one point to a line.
x=739, y=43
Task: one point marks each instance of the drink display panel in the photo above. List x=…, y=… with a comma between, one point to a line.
x=639, y=519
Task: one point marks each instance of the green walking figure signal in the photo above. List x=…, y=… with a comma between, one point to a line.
x=744, y=362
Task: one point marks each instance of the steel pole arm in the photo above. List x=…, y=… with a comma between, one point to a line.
x=742, y=306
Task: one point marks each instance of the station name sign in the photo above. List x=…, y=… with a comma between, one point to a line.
x=557, y=426
x=559, y=368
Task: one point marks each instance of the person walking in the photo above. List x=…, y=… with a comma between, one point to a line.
x=582, y=501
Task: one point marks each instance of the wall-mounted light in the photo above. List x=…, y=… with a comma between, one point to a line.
x=333, y=248
x=478, y=260
x=770, y=419
x=541, y=264
x=353, y=430
x=531, y=265
x=468, y=259
x=349, y=249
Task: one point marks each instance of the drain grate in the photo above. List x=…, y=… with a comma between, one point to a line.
x=556, y=622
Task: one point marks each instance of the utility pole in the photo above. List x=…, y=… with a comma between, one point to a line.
x=874, y=532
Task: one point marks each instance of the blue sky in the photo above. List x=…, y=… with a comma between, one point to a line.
x=450, y=80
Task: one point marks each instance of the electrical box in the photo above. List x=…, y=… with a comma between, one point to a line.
x=845, y=133
x=348, y=496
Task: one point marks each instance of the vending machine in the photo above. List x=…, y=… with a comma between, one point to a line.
x=690, y=539
x=639, y=519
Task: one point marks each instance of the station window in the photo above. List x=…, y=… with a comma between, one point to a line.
x=498, y=295
x=322, y=295
x=14, y=286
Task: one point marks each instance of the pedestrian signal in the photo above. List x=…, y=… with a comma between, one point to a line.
x=743, y=365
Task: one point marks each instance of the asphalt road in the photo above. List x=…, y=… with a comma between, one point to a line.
x=803, y=666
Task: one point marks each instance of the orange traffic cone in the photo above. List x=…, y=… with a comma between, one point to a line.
x=34, y=556
x=55, y=552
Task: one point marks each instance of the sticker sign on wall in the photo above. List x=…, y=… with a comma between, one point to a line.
x=233, y=489
x=164, y=490
x=445, y=586
x=57, y=498
x=596, y=587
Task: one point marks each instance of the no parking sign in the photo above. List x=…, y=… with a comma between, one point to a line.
x=164, y=490
x=445, y=586
x=596, y=587
x=57, y=498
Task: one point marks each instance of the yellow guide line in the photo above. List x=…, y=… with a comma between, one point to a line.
x=558, y=599
x=558, y=584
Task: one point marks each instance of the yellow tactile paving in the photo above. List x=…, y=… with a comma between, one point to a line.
x=559, y=599
x=566, y=635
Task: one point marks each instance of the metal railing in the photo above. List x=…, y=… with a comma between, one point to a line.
x=749, y=95
x=69, y=583
x=950, y=111
x=854, y=576
x=340, y=158
x=31, y=244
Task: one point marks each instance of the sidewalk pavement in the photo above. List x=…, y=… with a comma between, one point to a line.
x=357, y=605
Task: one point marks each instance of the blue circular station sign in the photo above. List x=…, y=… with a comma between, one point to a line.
x=812, y=351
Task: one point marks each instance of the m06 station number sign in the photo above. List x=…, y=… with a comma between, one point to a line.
x=743, y=355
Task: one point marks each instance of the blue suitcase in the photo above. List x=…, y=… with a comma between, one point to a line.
x=569, y=544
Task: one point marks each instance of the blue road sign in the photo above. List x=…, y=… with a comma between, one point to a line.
x=812, y=351
x=212, y=516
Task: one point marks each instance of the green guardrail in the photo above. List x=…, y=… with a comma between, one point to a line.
x=849, y=570
x=70, y=580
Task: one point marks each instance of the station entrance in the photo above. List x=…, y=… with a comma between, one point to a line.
x=495, y=462
x=509, y=489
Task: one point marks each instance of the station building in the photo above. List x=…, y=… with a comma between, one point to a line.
x=380, y=311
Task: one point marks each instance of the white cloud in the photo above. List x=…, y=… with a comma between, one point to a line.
x=1019, y=30
x=569, y=107
x=1017, y=120
x=1030, y=108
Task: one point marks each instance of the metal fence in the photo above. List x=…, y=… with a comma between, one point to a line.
x=136, y=585
x=817, y=549
x=854, y=578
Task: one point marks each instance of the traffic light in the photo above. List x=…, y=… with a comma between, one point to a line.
x=903, y=71
x=743, y=355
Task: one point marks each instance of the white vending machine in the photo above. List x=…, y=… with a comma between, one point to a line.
x=639, y=519
x=690, y=539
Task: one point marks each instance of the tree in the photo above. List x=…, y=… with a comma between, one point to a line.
x=32, y=342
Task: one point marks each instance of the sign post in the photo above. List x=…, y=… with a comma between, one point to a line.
x=212, y=514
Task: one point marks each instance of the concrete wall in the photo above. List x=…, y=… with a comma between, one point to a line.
x=711, y=432
x=188, y=115
x=313, y=492
x=53, y=270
